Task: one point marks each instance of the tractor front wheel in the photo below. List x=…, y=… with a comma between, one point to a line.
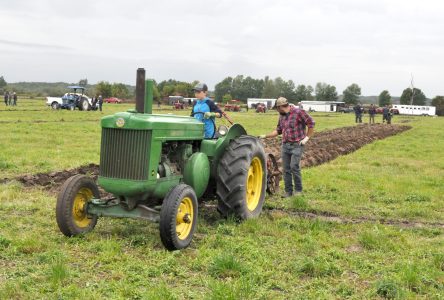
x=242, y=178
x=74, y=195
x=55, y=105
x=178, y=217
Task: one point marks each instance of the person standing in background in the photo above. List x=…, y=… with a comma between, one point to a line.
x=358, y=113
x=372, y=113
x=6, y=97
x=9, y=99
x=100, y=100
x=385, y=114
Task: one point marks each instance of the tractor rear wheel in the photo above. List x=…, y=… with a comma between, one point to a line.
x=74, y=195
x=178, y=217
x=84, y=105
x=242, y=178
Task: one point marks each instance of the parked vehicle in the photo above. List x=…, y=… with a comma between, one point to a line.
x=415, y=110
x=179, y=105
x=344, y=109
x=113, y=100
x=393, y=111
x=71, y=100
x=321, y=106
x=233, y=105
x=261, y=108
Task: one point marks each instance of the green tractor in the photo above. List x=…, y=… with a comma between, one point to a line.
x=158, y=166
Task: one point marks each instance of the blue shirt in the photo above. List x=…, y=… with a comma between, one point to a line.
x=199, y=109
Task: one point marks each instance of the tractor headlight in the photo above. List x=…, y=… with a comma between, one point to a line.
x=222, y=130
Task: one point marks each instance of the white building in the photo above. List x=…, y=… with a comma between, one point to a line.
x=415, y=110
x=268, y=102
x=324, y=106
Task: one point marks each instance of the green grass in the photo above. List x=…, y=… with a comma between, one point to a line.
x=41, y=140
x=279, y=255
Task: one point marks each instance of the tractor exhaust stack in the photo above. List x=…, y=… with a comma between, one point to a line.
x=140, y=90
x=144, y=93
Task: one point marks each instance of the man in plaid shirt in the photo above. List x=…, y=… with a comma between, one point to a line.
x=293, y=124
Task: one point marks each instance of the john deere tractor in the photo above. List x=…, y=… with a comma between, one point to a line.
x=158, y=166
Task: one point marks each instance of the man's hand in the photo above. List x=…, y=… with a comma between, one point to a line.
x=304, y=141
x=209, y=114
x=262, y=136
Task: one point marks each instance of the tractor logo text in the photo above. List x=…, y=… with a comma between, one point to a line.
x=120, y=122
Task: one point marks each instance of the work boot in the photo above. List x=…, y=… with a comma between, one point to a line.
x=297, y=193
x=286, y=195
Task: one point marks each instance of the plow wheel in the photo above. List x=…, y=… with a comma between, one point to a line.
x=178, y=217
x=273, y=175
x=241, y=178
x=74, y=195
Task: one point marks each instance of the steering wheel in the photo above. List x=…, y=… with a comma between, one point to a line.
x=212, y=121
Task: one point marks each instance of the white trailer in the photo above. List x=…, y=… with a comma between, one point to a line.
x=323, y=106
x=415, y=110
x=269, y=103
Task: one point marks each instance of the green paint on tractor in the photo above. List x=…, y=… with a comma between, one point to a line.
x=157, y=166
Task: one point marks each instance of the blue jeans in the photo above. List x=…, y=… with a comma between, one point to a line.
x=291, y=157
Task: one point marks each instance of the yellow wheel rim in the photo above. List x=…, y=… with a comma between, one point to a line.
x=254, y=183
x=184, y=218
x=79, y=208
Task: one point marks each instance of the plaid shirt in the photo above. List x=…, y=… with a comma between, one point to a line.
x=292, y=126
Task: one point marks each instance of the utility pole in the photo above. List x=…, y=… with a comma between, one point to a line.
x=413, y=93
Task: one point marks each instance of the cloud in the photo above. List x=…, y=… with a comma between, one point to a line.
x=31, y=45
x=376, y=44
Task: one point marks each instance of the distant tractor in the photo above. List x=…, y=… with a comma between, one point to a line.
x=157, y=167
x=178, y=105
x=71, y=100
x=233, y=105
x=261, y=108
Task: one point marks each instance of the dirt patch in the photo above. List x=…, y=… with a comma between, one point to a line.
x=53, y=180
x=328, y=145
x=321, y=148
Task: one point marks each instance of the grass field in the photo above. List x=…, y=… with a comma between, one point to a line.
x=370, y=224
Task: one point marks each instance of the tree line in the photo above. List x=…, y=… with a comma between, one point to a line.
x=242, y=88
x=238, y=87
x=57, y=89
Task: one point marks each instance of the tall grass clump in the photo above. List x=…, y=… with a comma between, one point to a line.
x=226, y=265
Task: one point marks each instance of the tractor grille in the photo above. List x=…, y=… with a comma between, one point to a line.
x=124, y=153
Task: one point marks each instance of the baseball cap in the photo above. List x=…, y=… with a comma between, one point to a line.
x=200, y=87
x=281, y=101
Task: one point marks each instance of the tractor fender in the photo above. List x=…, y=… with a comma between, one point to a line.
x=235, y=131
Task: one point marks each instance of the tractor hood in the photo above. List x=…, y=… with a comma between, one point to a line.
x=167, y=127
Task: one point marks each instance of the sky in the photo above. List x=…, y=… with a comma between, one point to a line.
x=379, y=45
